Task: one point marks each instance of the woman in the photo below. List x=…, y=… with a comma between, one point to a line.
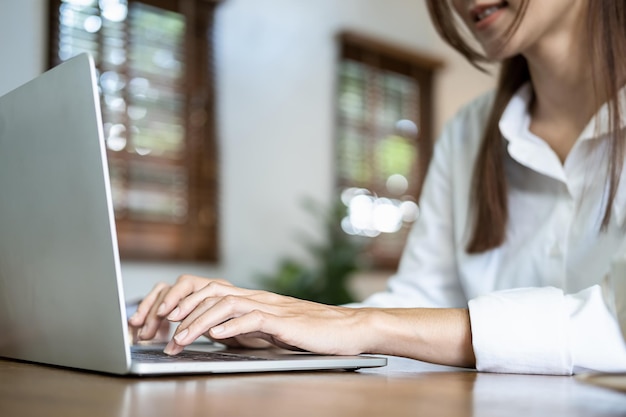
x=522, y=212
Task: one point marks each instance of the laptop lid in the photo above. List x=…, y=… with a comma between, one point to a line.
x=60, y=288
x=61, y=299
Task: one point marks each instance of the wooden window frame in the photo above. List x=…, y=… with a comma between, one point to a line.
x=420, y=67
x=197, y=238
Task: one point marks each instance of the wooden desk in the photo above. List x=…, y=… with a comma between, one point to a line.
x=404, y=388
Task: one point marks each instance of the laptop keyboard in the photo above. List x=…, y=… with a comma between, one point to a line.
x=156, y=355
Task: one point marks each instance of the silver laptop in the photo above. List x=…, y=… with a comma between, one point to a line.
x=61, y=297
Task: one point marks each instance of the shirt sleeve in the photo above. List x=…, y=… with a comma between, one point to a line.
x=544, y=331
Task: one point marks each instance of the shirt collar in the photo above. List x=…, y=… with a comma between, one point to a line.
x=533, y=152
x=515, y=120
x=523, y=146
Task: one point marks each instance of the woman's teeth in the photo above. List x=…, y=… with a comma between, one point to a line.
x=487, y=12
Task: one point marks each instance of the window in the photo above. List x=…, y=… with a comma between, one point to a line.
x=384, y=140
x=154, y=62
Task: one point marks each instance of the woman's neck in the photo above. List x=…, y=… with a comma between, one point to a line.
x=563, y=86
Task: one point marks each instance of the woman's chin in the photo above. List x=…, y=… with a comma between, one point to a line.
x=500, y=53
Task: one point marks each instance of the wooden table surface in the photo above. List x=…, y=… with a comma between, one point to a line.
x=403, y=388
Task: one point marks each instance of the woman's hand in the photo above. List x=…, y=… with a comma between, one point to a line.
x=225, y=313
x=201, y=304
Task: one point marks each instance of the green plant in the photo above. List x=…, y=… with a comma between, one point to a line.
x=334, y=260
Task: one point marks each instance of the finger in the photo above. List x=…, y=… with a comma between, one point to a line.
x=144, y=307
x=134, y=331
x=256, y=340
x=255, y=325
x=253, y=322
x=172, y=348
x=212, y=312
x=249, y=341
x=212, y=290
x=242, y=326
x=152, y=323
x=185, y=285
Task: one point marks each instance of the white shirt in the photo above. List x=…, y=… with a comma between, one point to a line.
x=535, y=302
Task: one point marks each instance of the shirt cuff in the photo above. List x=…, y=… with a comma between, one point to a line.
x=523, y=330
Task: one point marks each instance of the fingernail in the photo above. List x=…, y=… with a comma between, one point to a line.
x=174, y=314
x=161, y=310
x=181, y=336
x=133, y=316
x=171, y=348
x=217, y=330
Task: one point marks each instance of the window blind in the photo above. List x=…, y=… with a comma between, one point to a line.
x=155, y=72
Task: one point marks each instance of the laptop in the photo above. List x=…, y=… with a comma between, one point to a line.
x=61, y=293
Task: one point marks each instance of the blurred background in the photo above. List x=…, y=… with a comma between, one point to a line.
x=279, y=144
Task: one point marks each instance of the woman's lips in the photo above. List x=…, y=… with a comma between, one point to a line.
x=483, y=15
x=486, y=13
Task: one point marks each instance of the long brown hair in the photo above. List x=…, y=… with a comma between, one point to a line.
x=606, y=24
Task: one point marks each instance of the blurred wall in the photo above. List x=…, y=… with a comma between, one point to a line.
x=276, y=62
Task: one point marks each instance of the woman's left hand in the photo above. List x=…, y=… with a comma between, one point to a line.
x=225, y=312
